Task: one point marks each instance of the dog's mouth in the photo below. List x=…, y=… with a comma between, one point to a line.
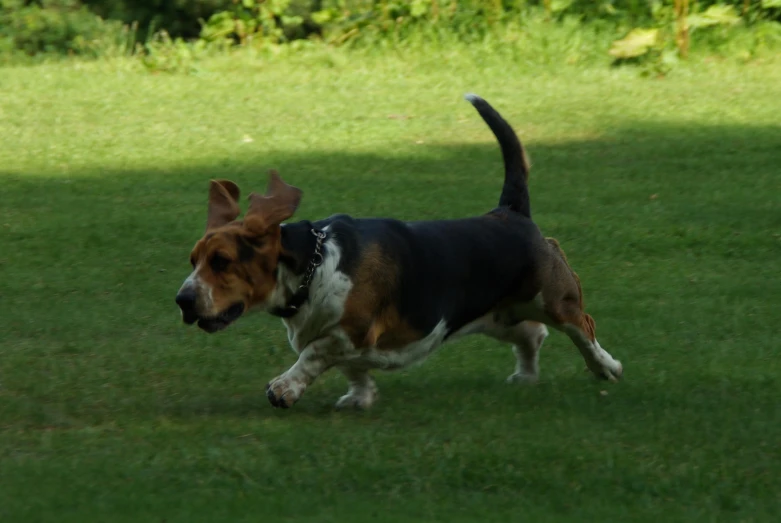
x=218, y=323
x=189, y=317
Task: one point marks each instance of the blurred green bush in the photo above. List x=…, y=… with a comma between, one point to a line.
x=96, y=27
x=57, y=27
x=177, y=17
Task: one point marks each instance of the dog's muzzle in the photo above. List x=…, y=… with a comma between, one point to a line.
x=216, y=323
x=187, y=298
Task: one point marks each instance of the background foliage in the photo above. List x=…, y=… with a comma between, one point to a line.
x=171, y=35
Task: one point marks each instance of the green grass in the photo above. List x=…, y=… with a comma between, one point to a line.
x=664, y=195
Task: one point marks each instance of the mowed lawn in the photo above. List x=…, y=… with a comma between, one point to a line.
x=665, y=194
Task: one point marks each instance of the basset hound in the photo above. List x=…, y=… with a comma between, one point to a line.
x=358, y=294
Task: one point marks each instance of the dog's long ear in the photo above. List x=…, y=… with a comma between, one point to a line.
x=277, y=205
x=223, y=203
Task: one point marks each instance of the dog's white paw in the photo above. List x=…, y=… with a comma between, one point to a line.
x=284, y=391
x=360, y=398
x=353, y=401
x=613, y=372
x=523, y=378
x=610, y=371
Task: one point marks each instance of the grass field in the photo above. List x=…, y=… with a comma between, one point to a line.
x=664, y=193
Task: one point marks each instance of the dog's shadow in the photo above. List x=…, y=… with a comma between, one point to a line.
x=423, y=398
x=402, y=393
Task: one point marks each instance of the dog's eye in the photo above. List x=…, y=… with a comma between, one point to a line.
x=219, y=263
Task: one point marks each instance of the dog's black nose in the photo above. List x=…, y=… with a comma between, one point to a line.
x=186, y=300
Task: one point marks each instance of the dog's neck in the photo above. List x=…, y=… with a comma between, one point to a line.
x=300, y=256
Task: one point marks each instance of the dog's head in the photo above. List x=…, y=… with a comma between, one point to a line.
x=235, y=262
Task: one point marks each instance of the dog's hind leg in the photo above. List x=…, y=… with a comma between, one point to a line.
x=527, y=338
x=526, y=347
x=565, y=314
x=598, y=360
x=563, y=304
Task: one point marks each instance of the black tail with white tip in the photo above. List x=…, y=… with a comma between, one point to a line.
x=515, y=192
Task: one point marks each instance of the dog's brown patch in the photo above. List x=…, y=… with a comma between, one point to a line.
x=238, y=265
x=563, y=295
x=238, y=259
x=371, y=318
x=223, y=203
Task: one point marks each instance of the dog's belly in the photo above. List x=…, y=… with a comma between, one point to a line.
x=494, y=324
x=398, y=358
x=499, y=320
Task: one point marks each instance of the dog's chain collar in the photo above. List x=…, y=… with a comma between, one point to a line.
x=302, y=293
x=317, y=259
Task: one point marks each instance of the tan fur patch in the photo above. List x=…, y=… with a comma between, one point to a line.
x=371, y=319
x=567, y=304
x=527, y=164
x=237, y=260
x=238, y=277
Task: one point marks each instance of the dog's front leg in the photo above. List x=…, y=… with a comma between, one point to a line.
x=317, y=357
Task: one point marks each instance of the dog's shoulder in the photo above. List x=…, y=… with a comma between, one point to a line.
x=359, y=238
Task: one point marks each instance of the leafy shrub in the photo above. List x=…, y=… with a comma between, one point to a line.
x=269, y=20
x=667, y=35
x=179, y=18
x=161, y=53
x=57, y=27
x=174, y=34
x=340, y=21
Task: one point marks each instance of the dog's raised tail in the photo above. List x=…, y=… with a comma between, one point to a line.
x=515, y=192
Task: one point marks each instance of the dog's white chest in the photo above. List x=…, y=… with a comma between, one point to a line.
x=320, y=316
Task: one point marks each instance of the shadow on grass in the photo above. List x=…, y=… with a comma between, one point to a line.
x=703, y=173
x=94, y=259
x=729, y=166
x=434, y=394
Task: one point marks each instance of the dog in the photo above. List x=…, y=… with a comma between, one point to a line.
x=378, y=293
